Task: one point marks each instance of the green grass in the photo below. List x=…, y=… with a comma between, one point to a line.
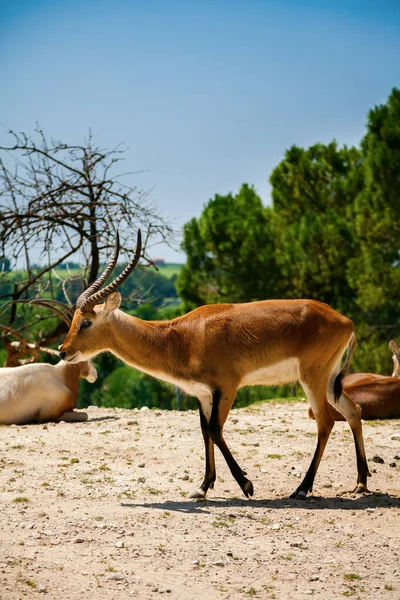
x=170, y=269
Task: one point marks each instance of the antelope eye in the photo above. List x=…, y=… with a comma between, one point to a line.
x=85, y=324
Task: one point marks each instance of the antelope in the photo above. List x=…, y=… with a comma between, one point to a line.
x=43, y=392
x=378, y=396
x=216, y=349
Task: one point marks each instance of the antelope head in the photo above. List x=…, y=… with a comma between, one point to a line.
x=87, y=370
x=91, y=330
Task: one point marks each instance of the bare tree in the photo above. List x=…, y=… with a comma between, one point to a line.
x=59, y=201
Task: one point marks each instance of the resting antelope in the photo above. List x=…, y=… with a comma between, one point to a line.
x=42, y=392
x=212, y=351
x=378, y=396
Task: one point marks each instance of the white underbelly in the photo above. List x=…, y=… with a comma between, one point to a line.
x=285, y=371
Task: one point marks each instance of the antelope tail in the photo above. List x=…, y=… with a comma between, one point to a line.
x=337, y=386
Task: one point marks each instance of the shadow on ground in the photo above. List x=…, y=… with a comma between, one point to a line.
x=312, y=503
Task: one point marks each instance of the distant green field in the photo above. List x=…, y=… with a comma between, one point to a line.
x=170, y=269
x=167, y=270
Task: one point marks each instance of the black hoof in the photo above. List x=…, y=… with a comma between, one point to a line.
x=198, y=495
x=299, y=495
x=248, y=489
x=361, y=489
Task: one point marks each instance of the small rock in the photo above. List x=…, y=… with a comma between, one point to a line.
x=183, y=477
x=55, y=542
x=395, y=437
x=116, y=577
x=141, y=465
x=327, y=485
x=195, y=563
x=218, y=563
x=313, y=578
x=229, y=553
x=141, y=479
x=78, y=540
x=42, y=589
x=370, y=510
x=119, y=545
x=144, y=409
x=276, y=526
x=392, y=464
x=397, y=457
x=378, y=459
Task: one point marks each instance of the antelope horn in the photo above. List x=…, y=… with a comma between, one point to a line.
x=95, y=298
x=103, y=277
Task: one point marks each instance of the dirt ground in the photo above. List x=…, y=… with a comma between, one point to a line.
x=101, y=509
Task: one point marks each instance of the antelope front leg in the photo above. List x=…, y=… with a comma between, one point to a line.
x=210, y=475
x=220, y=410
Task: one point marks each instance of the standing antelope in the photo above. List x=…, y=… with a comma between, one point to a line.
x=378, y=396
x=212, y=351
x=42, y=392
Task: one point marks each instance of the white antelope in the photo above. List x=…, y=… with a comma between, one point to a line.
x=378, y=396
x=212, y=351
x=42, y=392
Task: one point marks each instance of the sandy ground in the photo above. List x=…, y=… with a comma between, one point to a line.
x=101, y=510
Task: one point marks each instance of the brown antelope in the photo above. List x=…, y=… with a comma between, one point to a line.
x=378, y=396
x=212, y=351
x=42, y=392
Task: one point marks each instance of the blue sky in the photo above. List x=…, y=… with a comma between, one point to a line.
x=206, y=94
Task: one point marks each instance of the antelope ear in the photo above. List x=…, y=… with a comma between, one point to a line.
x=112, y=302
x=394, y=347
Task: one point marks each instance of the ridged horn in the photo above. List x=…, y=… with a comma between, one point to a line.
x=96, y=285
x=95, y=298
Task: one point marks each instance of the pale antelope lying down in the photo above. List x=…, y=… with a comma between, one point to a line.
x=214, y=350
x=378, y=396
x=42, y=392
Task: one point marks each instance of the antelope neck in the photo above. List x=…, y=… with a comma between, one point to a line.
x=142, y=344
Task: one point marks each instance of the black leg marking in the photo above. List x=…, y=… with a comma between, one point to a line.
x=308, y=481
x=215, y=432
x=210, y=474
x=362, y=469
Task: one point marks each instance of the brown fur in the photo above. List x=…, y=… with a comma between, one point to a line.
x=378, y=396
